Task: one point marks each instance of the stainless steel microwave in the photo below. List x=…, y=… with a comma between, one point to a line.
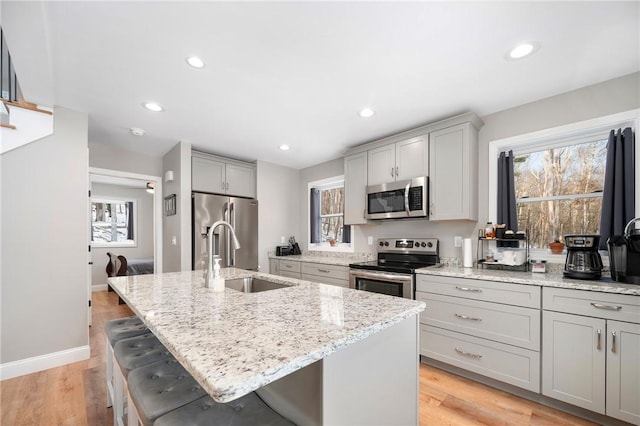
x=400, y=199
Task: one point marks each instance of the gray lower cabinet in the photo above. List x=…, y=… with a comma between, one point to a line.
x=274, y=266
x=322, y=273
x=591, y=351
x=325, y=274
x=289, y=268
x=489, y=328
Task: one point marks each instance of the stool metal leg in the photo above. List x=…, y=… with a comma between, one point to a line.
x=118, y=391
x=109, y=356
x=132, y=413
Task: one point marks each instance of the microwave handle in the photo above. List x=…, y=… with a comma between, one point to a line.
x=406, y=199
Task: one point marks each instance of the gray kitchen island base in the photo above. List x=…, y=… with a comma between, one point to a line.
x=371, y=382
x=317, y=354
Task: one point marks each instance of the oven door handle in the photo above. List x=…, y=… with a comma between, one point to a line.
x=406, y=199
x=381, y=275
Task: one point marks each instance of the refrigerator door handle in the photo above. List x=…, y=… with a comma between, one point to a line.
x=225, y=217
x=232, y=221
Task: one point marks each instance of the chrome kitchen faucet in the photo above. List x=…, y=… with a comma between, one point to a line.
x=236, y=245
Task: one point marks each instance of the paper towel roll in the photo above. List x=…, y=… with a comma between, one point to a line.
x=467, y=253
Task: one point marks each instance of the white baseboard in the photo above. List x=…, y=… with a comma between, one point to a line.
x=34, y=364
x=99, y=287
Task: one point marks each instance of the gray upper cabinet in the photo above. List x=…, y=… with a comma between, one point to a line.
x=397, y=161
x=453, y=177
x=221, y=176
x=355, y=185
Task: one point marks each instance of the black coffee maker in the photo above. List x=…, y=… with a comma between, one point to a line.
x=583, y=260
x=624, y=254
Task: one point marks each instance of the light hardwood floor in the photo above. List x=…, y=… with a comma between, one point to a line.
x=75, y=394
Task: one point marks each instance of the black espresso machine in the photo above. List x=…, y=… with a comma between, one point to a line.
x=583, y=260
x=624, y=254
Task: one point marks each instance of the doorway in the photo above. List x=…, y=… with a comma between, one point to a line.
x=124, y=218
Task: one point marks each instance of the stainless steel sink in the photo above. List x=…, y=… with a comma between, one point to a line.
x=253, y=284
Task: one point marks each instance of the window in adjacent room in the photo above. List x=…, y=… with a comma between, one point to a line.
x=113, y=223
x=326, y=216
x=559, y=188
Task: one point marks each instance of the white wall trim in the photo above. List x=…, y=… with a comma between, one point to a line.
x=608, y=122
x=34, y=364
x=99, y=287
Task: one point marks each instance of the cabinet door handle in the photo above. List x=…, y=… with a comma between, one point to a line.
x=598, y=343
x=465, y=353
x=466, y=317
x=397, y=174
x=288, y=266
x=613, y=342
x=325, y=271
x=607, y=307
x=392, y=172
x=474, y=290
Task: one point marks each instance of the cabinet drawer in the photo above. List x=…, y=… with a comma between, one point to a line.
x=508, y=324
x=322, y=270
x=290, y=274
x=325, y=280
x=490, y=291
x=289, y=266
x=619, y=307
x=509, y=364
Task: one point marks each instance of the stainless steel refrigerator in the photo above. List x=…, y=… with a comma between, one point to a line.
x=241, y=213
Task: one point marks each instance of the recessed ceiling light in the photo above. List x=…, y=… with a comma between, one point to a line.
x=523, y=49
x=136, y=132
x=195, y=62
x=285, y=147
x=366, y=113
x=152, y=106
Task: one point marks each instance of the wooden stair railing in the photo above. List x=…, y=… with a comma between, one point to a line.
x=27, y=105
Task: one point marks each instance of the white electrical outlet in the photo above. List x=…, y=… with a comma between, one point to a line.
x=370, y=240
x=457, y=241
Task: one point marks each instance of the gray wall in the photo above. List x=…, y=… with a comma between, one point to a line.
x=44, y=288
x=278, y=207
x=144, y=228
x=112, y=158
x=609, y=97
x=176, y=229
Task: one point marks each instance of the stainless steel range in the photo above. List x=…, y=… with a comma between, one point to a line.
x=394, y=271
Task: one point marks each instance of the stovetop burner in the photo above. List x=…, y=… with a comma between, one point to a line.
x=402, y=255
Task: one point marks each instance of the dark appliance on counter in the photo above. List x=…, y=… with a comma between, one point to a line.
x=284, y=250
x=583, y=260
x=398, y=200
x=393, y=273
x=624, y=254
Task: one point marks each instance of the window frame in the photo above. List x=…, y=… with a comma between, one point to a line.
x=551, y=138
x=116, y=244
x=328, y=183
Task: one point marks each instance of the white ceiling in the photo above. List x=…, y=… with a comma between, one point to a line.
x=297, y=73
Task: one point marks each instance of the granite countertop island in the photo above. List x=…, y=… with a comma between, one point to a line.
x=234, y=343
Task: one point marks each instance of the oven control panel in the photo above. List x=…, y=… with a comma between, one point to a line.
x=408, y=245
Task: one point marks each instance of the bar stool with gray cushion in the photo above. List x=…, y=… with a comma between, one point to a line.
x=158, y=388
x=118, y=329
x=130, y=354
x=247, y=410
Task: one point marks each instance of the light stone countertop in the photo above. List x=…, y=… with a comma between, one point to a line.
x=605, y=285
x=327, y=258
x=234, y=343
